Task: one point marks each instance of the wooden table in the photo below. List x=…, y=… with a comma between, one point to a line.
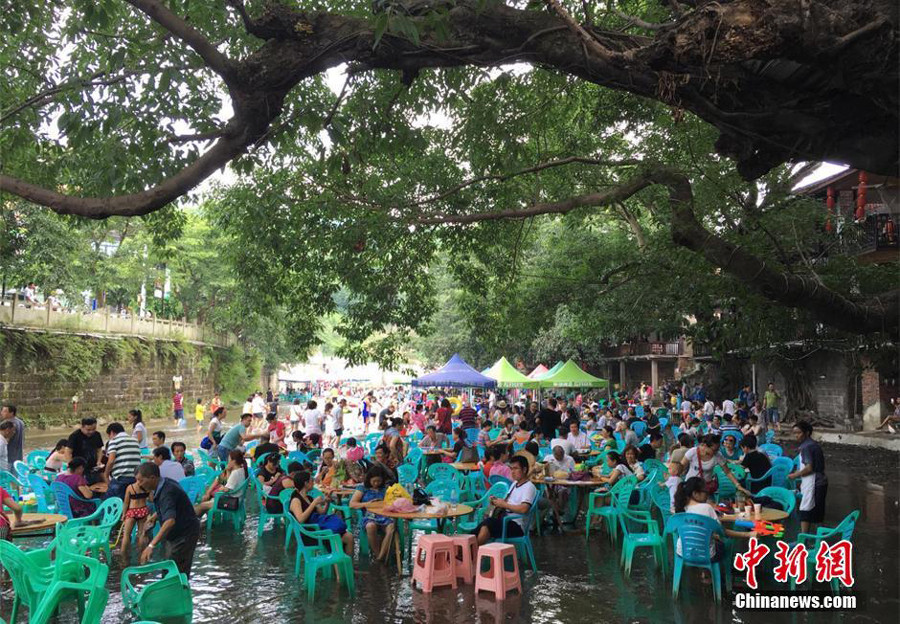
x=377, y=507
x=48, y=522
x=466, y=467
x=574, y=501
x=766, y=514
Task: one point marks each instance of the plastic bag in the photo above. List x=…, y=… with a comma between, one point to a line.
x=394, y=492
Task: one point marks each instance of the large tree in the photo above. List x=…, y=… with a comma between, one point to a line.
x=111, y=109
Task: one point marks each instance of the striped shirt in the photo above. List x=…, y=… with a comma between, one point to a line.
x=128, y=455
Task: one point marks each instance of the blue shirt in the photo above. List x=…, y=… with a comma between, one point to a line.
x=233, y=438
x=173, y=504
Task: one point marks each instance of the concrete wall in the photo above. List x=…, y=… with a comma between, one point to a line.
x=43, y=400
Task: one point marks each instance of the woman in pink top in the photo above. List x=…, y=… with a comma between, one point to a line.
x=7, y=501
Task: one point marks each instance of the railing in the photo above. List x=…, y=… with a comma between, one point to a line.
x=102, y=321
x=671, y=348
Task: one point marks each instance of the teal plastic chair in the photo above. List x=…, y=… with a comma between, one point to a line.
x=695, y=532
x=662, y=502
x=163, y=598
x=42, y=494
x=770, y=436
x=408, y=475
x=813, y=541
x=324, y=553
x=63, y=495
x=649, y=538
x=90, y=591
x=726, y=490
x=772, y=450
x=238, y=516
x=522, y=544
x=639, y=427
x=37, y=459
x=777, y=473
x=194, y=487
x=264, y=514
x=480, y=507
x=784, y=496
x=619, y=494
x=651, y=478
x=662, y=472
x=299, y=456
x=290, y=530
x=438, y=472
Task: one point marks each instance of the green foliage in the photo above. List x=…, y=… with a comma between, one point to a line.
x=237, y=373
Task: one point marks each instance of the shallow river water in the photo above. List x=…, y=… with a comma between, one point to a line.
x=239, y=579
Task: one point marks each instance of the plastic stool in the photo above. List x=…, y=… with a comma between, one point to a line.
x=465, y=551
x=433, y=565
x=496, y=578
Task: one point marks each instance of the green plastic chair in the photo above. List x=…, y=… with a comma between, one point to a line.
x=812, y=541
x=480, y=507
x=782, y=495
x=92, y=584
x=325, y=552
x=620, y=493
x=238, y=516
x=650, y=538
x=662, y=472
x=167, y=597
x=726, y=490
x=437, y=472
x=85, y=538
x=290, y=530
x=264, y=514
x=31, y=572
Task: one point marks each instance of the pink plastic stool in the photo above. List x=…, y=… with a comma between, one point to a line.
x=465, y=551
x=433, y=565
x=497, y=578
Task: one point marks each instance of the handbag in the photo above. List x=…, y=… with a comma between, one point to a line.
x=420, y=497
x=229, y=503
x=712, y=485
x=330, y=522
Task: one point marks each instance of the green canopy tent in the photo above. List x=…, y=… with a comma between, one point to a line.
x=552, y=371
x=570, y=375
x=508, y=377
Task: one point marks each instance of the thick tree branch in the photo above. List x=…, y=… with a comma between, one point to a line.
x=214, y=59
x=879, y=314
x=636, y=21
x=134, y=204
x=769, y=89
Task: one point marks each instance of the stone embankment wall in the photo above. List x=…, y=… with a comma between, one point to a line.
x=40, y=372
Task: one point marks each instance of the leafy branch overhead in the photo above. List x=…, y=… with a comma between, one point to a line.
x=777, y=83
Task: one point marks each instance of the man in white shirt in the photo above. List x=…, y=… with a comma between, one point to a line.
x=728, y=408
x=162, y=457
x=519, y=499
x=248, y=406
x=7, y=430
x=577, y=437
x=709, y=407
x=258, y=406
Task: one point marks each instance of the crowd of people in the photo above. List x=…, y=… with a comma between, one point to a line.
x=515, y=437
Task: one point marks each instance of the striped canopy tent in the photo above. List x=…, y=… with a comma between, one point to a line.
x=508, y=377
x=552, y=371
x=538, y=371
x=570, y=375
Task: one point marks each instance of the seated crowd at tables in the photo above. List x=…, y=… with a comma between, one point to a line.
x=521, y=443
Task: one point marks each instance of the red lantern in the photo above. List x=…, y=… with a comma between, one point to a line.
x=829, y=205
x=861, y=197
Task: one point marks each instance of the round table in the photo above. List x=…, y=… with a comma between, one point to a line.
x=766, y=514
x=466, y=467
x=575, y=500
x=45, y=521
x=378, y=508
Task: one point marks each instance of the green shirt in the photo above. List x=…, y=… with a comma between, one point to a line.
x=233, y=438
x=771, y=399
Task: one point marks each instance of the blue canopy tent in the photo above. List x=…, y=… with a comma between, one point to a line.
x=456, y=373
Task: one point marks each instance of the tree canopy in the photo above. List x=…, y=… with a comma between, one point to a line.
x=658, y=136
